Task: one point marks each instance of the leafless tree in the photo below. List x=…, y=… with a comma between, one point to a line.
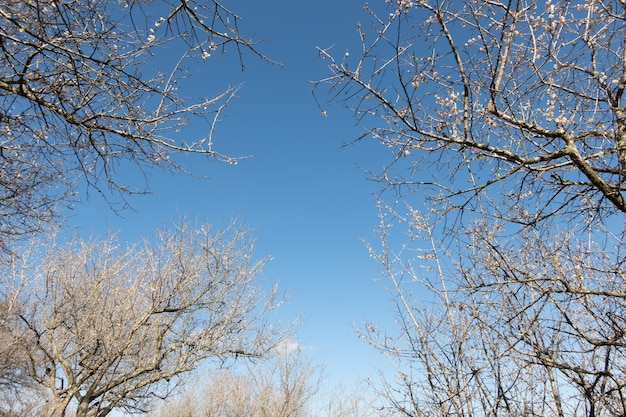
x=15, y=365
x=285, y=386
x=85, y=86
x=282, y=385
x=517, y=96
x=113, y=327
x=505, y=124
x=501, y=325
x=359, y=399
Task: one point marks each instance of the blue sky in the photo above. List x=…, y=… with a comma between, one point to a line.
x=304, y=196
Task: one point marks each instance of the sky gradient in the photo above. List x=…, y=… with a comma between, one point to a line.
x=305, y=197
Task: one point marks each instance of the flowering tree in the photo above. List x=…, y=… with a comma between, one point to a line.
x=281, y=385
x=80, y=93
x=508, y=138
x=534, y=90
x=105, y=327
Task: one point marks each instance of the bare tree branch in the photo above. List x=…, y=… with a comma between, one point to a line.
x=83, y=88
x=504, y=246
x=113, y=326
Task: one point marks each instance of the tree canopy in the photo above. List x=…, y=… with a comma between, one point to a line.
x=520, y=96
x=502, y=208
x=101, y=326
x=81, y=94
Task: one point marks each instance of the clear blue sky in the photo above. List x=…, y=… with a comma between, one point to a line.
x=304, y=196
